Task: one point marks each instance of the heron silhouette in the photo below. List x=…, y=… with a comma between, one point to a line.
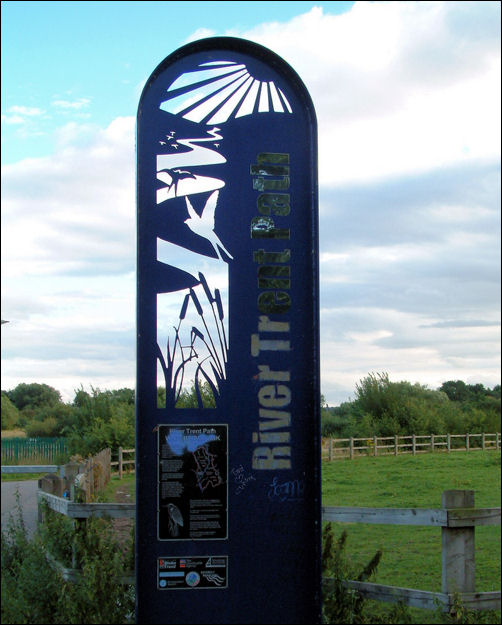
x=175, y=519
x=203, y=225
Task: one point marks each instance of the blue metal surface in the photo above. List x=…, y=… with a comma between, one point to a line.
x=228, y=490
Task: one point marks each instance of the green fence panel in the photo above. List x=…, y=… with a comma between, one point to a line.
x=26, y=450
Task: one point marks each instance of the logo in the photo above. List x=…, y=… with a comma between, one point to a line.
x=192, y=578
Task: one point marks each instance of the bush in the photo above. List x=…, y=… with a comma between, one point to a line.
x=33, y=592
x=344, y=605
x=10, y=414
x=49, y=427
x=30, y=588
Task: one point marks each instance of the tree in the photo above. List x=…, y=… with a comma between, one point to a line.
x=189, y=397
x=33, y=395
x=390, y=408
x=51, y=420
x=456, y=390
x=101, y=419
x=10, y=414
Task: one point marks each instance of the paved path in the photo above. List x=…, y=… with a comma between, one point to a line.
x=28, y=500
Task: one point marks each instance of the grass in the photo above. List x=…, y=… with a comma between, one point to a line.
x=13, y=434
x=412, y=554
x=116, y=488
x=21, y=477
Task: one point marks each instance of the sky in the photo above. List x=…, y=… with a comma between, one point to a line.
x=407, y=96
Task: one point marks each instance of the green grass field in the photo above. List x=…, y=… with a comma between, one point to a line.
x=412, y=554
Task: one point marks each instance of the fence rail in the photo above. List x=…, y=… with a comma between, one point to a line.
x=457, y=519
x=80, y=512
x=30, y=468
x=335, y=448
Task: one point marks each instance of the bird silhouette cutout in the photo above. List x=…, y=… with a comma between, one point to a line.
x=203, y=225
x=176, y=175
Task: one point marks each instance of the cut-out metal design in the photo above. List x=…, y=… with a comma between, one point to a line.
x=217, y=91
x=191, y=352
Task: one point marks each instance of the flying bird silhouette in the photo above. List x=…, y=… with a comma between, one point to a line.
x=176, y=175
x=203, y=226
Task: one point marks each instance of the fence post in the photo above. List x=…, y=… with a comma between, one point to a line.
x=396, y=438
x=483, y=441
x=467, y=442
x=448, y=443
x=375, y=446
x=497, y=441
x=120, y=461
x=351, y=447
x=432, y=442
x=413, y=444
x=79, y=526
x=457, y=553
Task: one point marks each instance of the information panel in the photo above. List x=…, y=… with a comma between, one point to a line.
x=192, y=482
x=227, y=398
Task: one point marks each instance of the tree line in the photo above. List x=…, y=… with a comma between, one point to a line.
x=92, y=421
x=106, y=418
x=385, y=408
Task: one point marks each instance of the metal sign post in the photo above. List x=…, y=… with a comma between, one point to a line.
x=228, y=436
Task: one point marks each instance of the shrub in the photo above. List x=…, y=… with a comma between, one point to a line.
x=33, y=592
x=345, y=605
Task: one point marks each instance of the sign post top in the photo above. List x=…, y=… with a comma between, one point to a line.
x=239, y=46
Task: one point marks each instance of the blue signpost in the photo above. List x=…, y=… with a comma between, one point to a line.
x=228, y=436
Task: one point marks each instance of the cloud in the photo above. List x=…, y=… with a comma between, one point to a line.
x=28, y=111
x=408, y=102
x=74, y=105
x=201, y=33
x=21, y=115
x=72, y=212
x=398, y=86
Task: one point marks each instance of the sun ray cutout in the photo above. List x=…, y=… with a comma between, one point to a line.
x=220, y=90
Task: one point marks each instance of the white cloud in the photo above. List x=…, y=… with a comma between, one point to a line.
x=200, y=33
x=13, y=119
x=74, y=211
x=408, y=102
x=21, y=115
x=398, y=87
x=74, y=105
x=28, y=111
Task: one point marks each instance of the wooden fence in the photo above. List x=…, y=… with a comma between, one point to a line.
x=81, y=479
x=457, y=519
x=94, y=474
x=335, y=448
x=33, y=450
x=80, y=512
x=120, y=463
